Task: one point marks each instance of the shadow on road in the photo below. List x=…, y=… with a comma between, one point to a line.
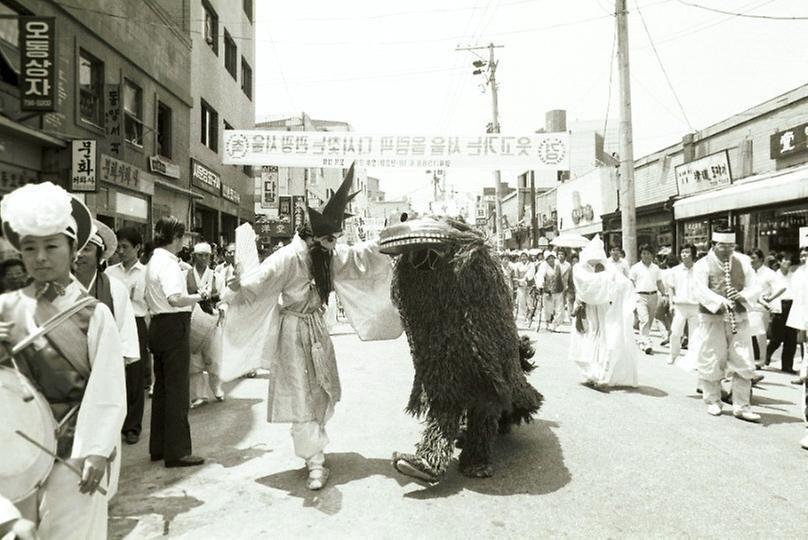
x=642, y=390
x=166, y=507
x=771, y=419
x=528, y=461
x=345, y=467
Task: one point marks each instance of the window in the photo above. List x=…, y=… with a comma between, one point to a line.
x=133, y=112
x=91, y=77
x=230, y=55
x=9, y=46
x=247, y=170
x=210, y=27
x=164, y=130
x=210, y=127
x=246, y=78
x=248, y=9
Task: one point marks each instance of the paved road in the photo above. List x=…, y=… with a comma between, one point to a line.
x=644, y=463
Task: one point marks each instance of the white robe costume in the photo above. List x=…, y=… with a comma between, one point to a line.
x=63, y=512
x=605, y=351
x=276, y=321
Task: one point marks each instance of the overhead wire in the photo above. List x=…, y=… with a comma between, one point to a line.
x=745, y=15
x=611, y=73
x=662, y=67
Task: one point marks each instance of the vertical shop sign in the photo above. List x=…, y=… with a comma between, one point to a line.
x=38, y=63
x=83, y=174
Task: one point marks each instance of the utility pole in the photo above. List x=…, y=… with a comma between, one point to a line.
x=492, y=82
x=628, y=211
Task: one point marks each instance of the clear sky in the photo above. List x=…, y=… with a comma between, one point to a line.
x=391, y=67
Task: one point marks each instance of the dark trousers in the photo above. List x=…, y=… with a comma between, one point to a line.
x=169, y=341
x=785, y=336
x=135, y=375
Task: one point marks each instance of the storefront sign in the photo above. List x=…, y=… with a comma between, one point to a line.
x=112, y=119
x=787, y=143
x=12, y=177
x=124, y=174
x=266, y=186
x=38, y=63
x=299, y=210
x=582, y=201
x=204, y=178
x=230, y=194
x=161, y=166
x=542, y=151
x=704, y=173
x=83, y=166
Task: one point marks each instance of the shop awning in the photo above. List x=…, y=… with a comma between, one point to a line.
x=759, y=190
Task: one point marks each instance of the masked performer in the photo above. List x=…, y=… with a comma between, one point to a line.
x=78, y=367
x=457, y=311
x=275, y=319
x=602, y=341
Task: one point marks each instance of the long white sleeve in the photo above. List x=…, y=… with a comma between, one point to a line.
x=125, y=320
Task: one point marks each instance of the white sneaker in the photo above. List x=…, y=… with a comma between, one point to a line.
x=714, y=409
x=804, y=442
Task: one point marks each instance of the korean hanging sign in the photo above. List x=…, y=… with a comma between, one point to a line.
x=38, y=64
x=703, y=174
x=537, y=151
x=84, y=168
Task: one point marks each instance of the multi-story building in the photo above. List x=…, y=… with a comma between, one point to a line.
x=119, y=75
x=222, y=92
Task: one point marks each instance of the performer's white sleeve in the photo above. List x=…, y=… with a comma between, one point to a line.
x=266, y=280
x=125, y=320
x=591, y=287
x=8, y=512
x=103, y=407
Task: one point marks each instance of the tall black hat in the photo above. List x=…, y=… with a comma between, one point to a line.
x=329, y=219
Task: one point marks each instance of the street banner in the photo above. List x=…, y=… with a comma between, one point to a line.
x=537, y=151
x=38, y=63
x=83, y=166
x=113, y=120
x=299, y=210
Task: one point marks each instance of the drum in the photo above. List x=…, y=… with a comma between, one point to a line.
x=23, y=466
x=203, y=326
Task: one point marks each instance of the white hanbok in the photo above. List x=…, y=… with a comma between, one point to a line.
x=605, y=350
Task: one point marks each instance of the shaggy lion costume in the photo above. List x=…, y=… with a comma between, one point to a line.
x=470, y=365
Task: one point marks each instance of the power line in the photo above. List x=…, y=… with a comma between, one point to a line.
x=747, y=15
x=662, y=67
x=289, y=95
x=374, y=76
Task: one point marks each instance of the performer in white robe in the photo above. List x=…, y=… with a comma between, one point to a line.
x=798, y=319
x=276, y=319
x=602, y=340
x=80, y=363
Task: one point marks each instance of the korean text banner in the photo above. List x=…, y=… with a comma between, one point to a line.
x=539, y=151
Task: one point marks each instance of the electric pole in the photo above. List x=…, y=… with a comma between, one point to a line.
x=628, y=216
x=492, y=82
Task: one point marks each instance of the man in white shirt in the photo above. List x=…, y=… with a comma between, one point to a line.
x=618, y=261
x=647, y=280
x=782, y=334
x=132, y=274
x=760, y=312
x=683, y=299
x=226, y=270
x=169, y=340
x=522, y=274
x=551, y=284
x=566, y=277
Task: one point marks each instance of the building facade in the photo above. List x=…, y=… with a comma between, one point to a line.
x=121, y=79
x=222, y=92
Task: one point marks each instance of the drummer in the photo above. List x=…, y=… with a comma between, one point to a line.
x=170, y=304
x=78, y=367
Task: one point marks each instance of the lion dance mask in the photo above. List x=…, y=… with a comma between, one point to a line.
x=470, y=364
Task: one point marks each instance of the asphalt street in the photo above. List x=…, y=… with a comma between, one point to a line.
x=645, y=462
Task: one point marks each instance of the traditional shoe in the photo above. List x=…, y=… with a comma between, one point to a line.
x=714, y=409
x=219, y=397
x=414, y=467
x=664, y=342
x=198, y=403
x=131, y=437
x=649, y=350
x=757, y=378
x=318, y=477
x=804, y=442
x=747, y=416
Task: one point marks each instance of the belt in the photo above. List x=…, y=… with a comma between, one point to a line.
x=646, y=292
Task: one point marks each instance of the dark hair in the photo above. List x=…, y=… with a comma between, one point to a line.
x=131, y=235
x=166, y=230
x=148, y=249
x=691, y=248
x=646, y=247
x=6, y=265
x=758, y=253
